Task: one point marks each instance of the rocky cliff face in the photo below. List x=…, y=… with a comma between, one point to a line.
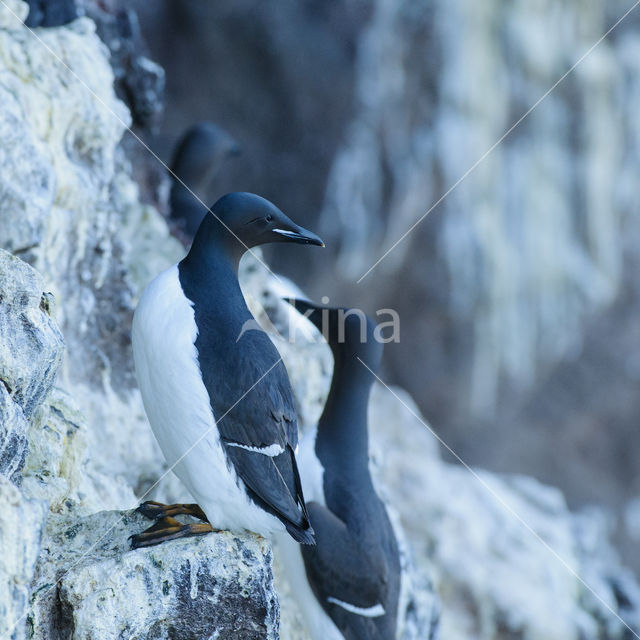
x=74, y=436
x=76, y=452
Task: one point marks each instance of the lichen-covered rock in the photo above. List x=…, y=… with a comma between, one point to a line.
x=73, y=212
x=21, y=525
x=31, y=345
x=419, y=604
x=57, y=437
x=13, y=436
x=31, y=349
x=27, y=181
x=215, y=586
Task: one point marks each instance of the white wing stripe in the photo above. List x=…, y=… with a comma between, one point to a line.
x=272, y=450
x=370, y=612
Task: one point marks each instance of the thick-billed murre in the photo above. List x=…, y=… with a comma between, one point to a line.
x=201, y=384
x=197, y=158
x=348, y=584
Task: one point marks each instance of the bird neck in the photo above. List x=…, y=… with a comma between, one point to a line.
x=209, y=273
x=215, y=246
x=342, y=428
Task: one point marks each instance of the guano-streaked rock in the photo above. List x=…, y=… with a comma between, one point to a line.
x=214, y=586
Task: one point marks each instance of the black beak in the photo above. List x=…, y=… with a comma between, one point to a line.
x=299, y=235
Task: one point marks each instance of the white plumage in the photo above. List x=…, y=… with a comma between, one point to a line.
x=179, y=411
x=311, y=469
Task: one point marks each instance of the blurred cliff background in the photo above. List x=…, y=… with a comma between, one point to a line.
x=518, y=295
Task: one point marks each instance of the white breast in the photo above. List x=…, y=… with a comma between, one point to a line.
x=177, y=405
x=311, y=469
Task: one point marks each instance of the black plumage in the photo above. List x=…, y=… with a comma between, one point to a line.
x=356, y=559
x=247, y=383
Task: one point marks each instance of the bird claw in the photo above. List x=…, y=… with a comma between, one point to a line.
x=167, y=528
x=152, y=510
x=155, y=510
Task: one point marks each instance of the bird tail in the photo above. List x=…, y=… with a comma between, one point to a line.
x=303, y=535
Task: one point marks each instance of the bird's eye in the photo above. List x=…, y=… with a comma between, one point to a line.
x=269, y=218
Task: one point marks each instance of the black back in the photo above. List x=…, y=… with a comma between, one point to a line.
x=251, y=399
x=356, y=557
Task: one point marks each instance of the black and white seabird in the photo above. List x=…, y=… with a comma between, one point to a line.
x=198, y=156
x=348, y=585
x=198, y=378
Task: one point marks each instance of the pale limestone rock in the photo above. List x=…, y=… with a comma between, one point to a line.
x=13, y=436
x=31, y=349
x=57, y=436
x=31, y=345
x=215, y=586
x=27, y=180
x=21, y=525
x=13, y=14
x=419, y=604
x=73, y=211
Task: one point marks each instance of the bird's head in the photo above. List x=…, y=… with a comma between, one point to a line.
x=247, y=220
x=200, y=152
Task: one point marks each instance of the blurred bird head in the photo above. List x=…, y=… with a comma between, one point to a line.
x=200, y=152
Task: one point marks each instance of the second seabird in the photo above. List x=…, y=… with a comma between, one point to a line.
x=348, y=585
x=200, y=383
x=197, y=158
